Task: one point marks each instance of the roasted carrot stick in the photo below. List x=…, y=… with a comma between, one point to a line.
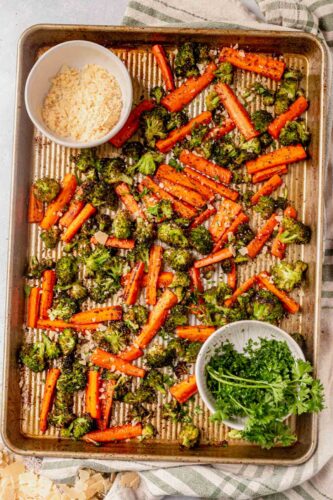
x=58, y=324
x=198, y=333
x=263, y=235
x=282, y=156
x=170, y=174
x=205, y=166
x=257, y=63
x=221, y=130
x=240, y=219
x=121, y=432
x=278, y=248
x=164, y=279
x=236, y=111
x=97, y=315
x=87, y=211
x=263, y=175
x=163, y=64
x=240, y=290
x=35, y=208
x=203, y=217
x=132, y=124
x=53, y=211
x=177, y=135
x=74, y=209
x=182, y=208
x=185, y=389
x=196, y=279
x=183, y=95
x=232, y=276
x=289, y=304
x=134, y=284
x=131, y=353
x=154, y=268
x=184, y=193
x=226, y=213
x=295, y=110
x=33, y=307
x=290, y=212
x=106, y=400
x=223, y=254
x=128, y=200
x=271, y=185
x=156, y=319
x=114, y=242
x=49, y=391
x=49, y=279
x=217, y=187
x=104, y=359
x=92, y=394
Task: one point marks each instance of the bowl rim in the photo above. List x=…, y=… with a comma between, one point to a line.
x=127, y=103
x=203, y=391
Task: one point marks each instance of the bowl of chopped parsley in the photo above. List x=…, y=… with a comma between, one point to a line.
x=252, y=376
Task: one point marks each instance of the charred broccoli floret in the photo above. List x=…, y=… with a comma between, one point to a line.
x=265, y=140
x=122, y=225
x=225, y=152
x=97, y=261
x=137, y=413
x=268, y=96
x=148, y=432
x=178, y=259
x=162, y=210
x=172, y=234
x=104, y=222
x=294, y=132
x=186, y=61
x=35, y=267
x=33, y=356
x=212, y=100
x=261, y=119
x=189, y=436
x=153, y=124
x=248, y=150
x=288, y=276
x=243, y=236
x=66, y=270
x=288, y=90
x=115, y=336
x=139, y=253
x=50, y=237
x=86, y=160
x=112, y=171
x=154, y=380
x=200, y=239
x=122, y=387
x=73, y=377
x=197, y=135
x=62, y=414
x=180, y=285
x=99, y=194
x=143, y=394
x=52, y=350
x=77, y=291
x=133, y=150
x=294, y=231
x=192, y=351
x=147, y=164
x=265, y=306
x=78, y=427
x=176, y=120
x=173, y=411
x=103, y=286
x=46, y=189
x=265, y=206
x=63, y=308
x=216, y=295
x=159, y=356
x=157, y=93
x=67, y=341
x=144, y=231
x=225, y=73
x=207, y=148
x=178, y=316
x=135, y=317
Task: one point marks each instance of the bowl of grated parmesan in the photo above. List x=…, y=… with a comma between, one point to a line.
x=79, y=94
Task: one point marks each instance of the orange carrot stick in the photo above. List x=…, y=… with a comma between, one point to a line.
x=128, y=200
x=104, y=359
x=203, y=217
x=177, y=135
x=213, y=258
x=132, y=124
x=164, y=279
x=97, y=315
x=49, y=391
x=92, y=394
x=134, y=284
x=263, y=235
x=182, y=208
x=232, y=276
x=131, y=353
x=196, y=280
x=278, y=248
x=170, y=174
x=74, y=209
x=198, y=333
x=240, y=219
x=156, y=319
x=185, y=389
x=240, y=290
x=33, y=307
x=236, y=111
x=108, y=387
x=114, y=242
x=121, y=432
x=221, y=130
x=154, y=267
x=217, y=187
x=282, y=156
x=183, y=95
x=289, y=304
x=35, y=208
x=271, y=185
x=87, y=211
x=205, y=166
x=49, y=279
x=163, y=64
x=58, y=324
x=263, y=175
x=295, y=110
x=184, y=193
x=53, y=211
x=257, y=63
x=226, y=213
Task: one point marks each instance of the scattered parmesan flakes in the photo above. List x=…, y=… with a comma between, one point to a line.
x=232, y=250
x=279, y=218
x=101, y=237
x=241, y=53
x=264, y=249
x=243, y=251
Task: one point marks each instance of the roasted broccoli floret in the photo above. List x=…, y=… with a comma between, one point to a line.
x=148, y=432
x=243, y=236
x=189, y=436
x=265, y=206
x=52, y=350
x=144, y=231
x=46, y=189
x=63, y=308
x=67, y=341
x=265, y=306
x=173, y=411
x=178, y=259
x=50, y=237
x=99, y=194
x=261, y=119
x=186, y=61
x=137, y=413
x=155, y=380
x=159, y=356
x=248, y=150
x=294, y=132
x=115, y=336
x=77, y=291
x=62, y=414
x=281, y=104
x=102, y=287
x=135, y=317
x=35, y=267
x=33, y=356
x=157, y=93
x=224, y=73
x=268, y=96
x=122, y=387
x=197, y=135
x=176, y=120
x=292, y=74
x=66, y=270
x=86, y=160
x=153, y=124
x=147, y=164
x=180, y=285
x=212, y=100
x=287, y=92
x=172, y=234
x=200, y=239
x=78, y=427
x=143, y=394
x=288, y=276
x=112, y=171
x=216, y=295
x=265, y=140
x=201, y=52
x=97, y=261
x=133, y=150
x=207, y=148
x=104, y=222
x=192, y=351
x=225, y=152
x=139, y=253
x=162, y=210
x=294, y=231
x=178, y=316
x=122, y=225
x=73, y=377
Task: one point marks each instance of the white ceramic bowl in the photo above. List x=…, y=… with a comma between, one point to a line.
x=238, y=333
x=76, y=54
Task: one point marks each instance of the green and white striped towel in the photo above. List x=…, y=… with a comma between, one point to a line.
x=314, y=479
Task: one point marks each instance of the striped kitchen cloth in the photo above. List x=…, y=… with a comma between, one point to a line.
x=314, y=479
